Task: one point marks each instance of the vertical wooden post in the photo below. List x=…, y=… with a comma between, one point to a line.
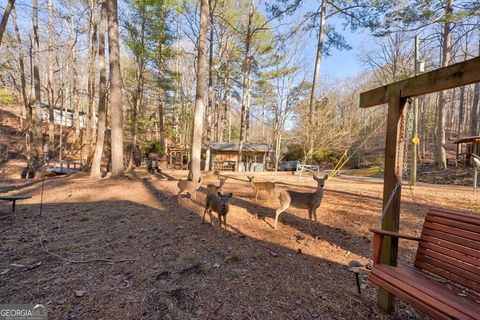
x=394, y=148
x=475, y=173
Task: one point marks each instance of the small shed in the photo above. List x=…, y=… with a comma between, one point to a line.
x=177, y=157
x=466, y=147
x=224, y=156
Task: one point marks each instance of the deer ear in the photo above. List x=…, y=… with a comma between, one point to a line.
x=326, y=177
x=230, y=195
x=315, y=178
x=219, y=194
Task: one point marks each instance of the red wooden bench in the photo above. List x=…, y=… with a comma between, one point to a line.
x=445, y=279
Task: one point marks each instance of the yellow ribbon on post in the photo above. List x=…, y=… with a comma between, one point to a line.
x=416, y=140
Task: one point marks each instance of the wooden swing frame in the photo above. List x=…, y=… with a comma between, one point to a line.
x=396, y=95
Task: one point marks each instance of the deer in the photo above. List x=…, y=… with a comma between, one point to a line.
x=212, y=188
x=269, y=187
x=218, y=203
x=188, y=186
x=302, y=200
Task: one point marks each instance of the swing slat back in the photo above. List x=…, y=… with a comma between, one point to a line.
x=450, y=247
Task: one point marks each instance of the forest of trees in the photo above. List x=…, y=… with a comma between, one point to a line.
x=151, y=73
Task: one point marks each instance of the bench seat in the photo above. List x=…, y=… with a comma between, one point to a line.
x=424, y=293
x=444, y=281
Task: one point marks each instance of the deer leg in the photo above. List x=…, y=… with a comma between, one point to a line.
x=277, y=214
x=315, y=214
x=225, y=222
x=204, y=213
x=220, y=220
x=310, y=213
x=193, y=195
x=179, y=196
x=256, y=196
x=211, y=217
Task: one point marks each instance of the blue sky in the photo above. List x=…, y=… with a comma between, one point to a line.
x=343, y=64
x=340, y=64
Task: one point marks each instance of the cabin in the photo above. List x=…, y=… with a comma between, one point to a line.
x=224, y=156
x=465, y=148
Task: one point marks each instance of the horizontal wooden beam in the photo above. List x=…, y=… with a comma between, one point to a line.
x=455, y=75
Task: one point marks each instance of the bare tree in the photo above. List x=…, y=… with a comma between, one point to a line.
x=200, y=92
x=475, y=103
x=246, y=69
x=102, y=90
x=116, y=96
x=91, y=79
x=26, y=104
x=439, y=148
x=36, y=80
x=50, y=80
x=318, y=59
x=6, y=14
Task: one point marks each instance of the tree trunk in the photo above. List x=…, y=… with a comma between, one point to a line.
x=37, y=123
x=91, y=116
x=210, y=89
x=318, y=60
x=6, y=13
x=439, y=149
x=95, y=171
x=161, y=115
x=451, y=115
x=475, y=103
x=74, y=91
x=200, y=93
x=461, y=113
x=26, y=104
x=245, y=87
x=137, y=95
x=50, y=88
x=116, y=98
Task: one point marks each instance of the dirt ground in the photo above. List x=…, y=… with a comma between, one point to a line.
x=161, y=262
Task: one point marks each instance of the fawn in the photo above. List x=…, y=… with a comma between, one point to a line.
x=269, y=187
x=218, y=203
x=212, y=188
x=188, y=186
x=302, y=200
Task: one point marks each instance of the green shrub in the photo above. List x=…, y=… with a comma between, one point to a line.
x=326, y=155
x=155, y=147
x=6, y=97
x=295, y=152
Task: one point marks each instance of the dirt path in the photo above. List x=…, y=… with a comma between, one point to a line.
x=184, y=269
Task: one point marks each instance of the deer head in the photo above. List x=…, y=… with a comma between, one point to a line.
x=320, y=181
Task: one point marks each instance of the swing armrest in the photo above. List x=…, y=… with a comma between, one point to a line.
x=378, y=236
x=393, y=234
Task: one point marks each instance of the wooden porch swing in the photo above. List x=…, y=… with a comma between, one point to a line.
x=450, y=243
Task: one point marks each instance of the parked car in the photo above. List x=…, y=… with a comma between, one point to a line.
x=288, y=165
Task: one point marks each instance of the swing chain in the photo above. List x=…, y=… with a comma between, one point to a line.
x=384, y=211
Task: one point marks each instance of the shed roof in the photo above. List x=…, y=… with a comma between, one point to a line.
x=248, y=147
x=468, y=139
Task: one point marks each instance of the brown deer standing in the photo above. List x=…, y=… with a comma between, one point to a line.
x=212, y=188
x=302, y=200
x=269, y=187
x=218, y=203
x=188, y=186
